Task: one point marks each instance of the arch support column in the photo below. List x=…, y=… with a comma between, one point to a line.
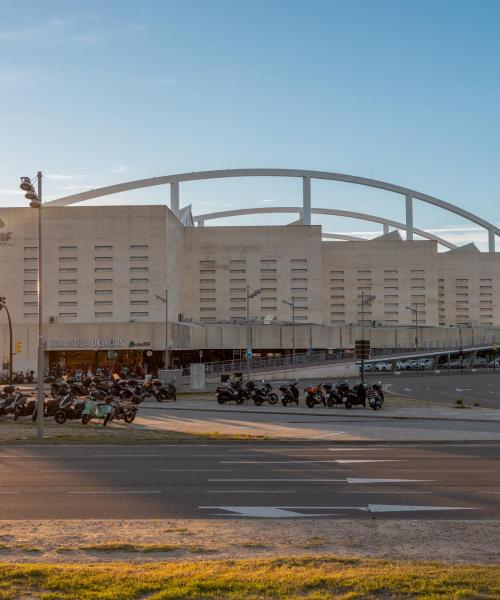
x=409, y=217
x=491, y=240
x=385, y=228
x=306, y=200
x=174, y=197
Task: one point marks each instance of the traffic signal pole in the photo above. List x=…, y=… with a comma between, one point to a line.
x=3, y=305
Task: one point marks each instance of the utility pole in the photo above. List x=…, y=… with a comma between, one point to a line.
x=368, y=299
x=3, y=306
x=248, y=348
x=165, y=301
x=35, y=199
x=292, y=306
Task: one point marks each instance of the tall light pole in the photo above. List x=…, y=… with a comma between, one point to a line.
x=248, y=349
x=366, y=299
x=414, y=309
x=292, y=305
x=3, y=306
x=165, y=301
x=35, y=199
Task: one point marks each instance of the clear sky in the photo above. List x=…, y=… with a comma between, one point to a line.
x=98, y=92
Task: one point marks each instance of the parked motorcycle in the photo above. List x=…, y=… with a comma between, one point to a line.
x=261, y=393
x=69, y=409
x=22, y=406
x=333, y=398
x=120, y=410
x=289, y=393
x=232, y=392
x=314, y=395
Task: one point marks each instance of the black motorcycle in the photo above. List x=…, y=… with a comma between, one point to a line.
x=289, y=393
x=261, y=393
x=22, y=406
x=161, y=391
x=333, y=398
x=232, y=392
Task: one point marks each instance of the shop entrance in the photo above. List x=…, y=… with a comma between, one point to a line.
x=71, y=361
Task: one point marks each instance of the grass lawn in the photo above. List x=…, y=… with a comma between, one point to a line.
x=285, y=578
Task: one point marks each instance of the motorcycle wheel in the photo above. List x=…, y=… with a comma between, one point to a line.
x=60, y=417
x=272, y=398
x=310, y=402
x=240, y=400
x=86, y=419
x=128, y=418
x=34, y=415
x=258, y=401
x=284, y=402
x=220, y=400
x=330, y=402
x=159, y=398
x=348, y=404
x=107, y=419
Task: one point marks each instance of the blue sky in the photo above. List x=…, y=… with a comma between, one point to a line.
x=99, y=92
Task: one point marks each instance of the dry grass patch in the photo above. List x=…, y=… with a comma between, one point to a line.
x=125, y=547
x=306, y=578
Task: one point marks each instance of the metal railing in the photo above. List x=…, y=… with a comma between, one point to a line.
x=312, y=358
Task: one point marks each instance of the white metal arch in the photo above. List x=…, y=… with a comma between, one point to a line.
x=200, y=219
x=305, y=175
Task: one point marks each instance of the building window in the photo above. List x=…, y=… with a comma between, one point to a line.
x=139, y=314
x=139, y=281
x=103, y=292
x=139, y=258
x=67, y=281
x=27, y=271
x=66, y=248
x=103, y=314
x=103, y=248
x=208, y=309
x=67, y=292
x=139, y=291
x=139, y=302
x=139, y=269
x=207, y=319
x=103, y=270
x=67, y=303
x=68, y=315
x=213, y=280
x=68, y=270
x=207, y=299
x=67, y=259
x=103, y=258
x=140, y=248
x=98, y=281
x=103, y=302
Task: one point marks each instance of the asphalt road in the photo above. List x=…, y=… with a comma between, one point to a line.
x=478, y=387
x=261, y=480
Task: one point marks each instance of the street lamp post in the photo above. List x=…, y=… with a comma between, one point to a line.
x=165, y=301
x=365, y=299
x=292, y=306
x=35, y=199
x=3, y=306
x=248, y=349
x=414, y=309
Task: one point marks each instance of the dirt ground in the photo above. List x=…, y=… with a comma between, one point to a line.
x=52, y=541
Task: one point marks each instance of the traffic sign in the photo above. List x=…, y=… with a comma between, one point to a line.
x=249, y=353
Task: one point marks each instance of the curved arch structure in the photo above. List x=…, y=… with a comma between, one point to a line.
x=305, y=175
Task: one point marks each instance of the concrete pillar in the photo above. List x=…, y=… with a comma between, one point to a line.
x=174, y=197
x=197, y=376
x=306, y=200
x=409, y=217
x=385, y=228
x=491, y=240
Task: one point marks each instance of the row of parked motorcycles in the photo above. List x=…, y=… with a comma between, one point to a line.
x=326, y=394
x=91, y=398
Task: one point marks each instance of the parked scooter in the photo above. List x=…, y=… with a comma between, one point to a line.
x=22, y=406
x=232, y=392
x=69, y=409
x=289, y=393
x=125, y=411
x=332, y=397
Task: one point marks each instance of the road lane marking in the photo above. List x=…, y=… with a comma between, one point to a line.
x=318, y=437
x=120, y=492
x=283, y=512
x=77, y=470
x=293, y=462
x=127, y=456
x=252, y=491
x=350, y=480
x=193, y=470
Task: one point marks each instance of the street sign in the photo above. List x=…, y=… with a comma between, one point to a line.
x=249, y=353
x=362, y=349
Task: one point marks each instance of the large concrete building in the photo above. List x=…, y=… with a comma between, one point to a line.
x=107, y=271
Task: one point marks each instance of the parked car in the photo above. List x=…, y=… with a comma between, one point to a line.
x=494, y=363
x=480, y=361
x=383, y=366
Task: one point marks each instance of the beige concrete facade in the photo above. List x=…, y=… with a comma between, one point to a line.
x=103, y=268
